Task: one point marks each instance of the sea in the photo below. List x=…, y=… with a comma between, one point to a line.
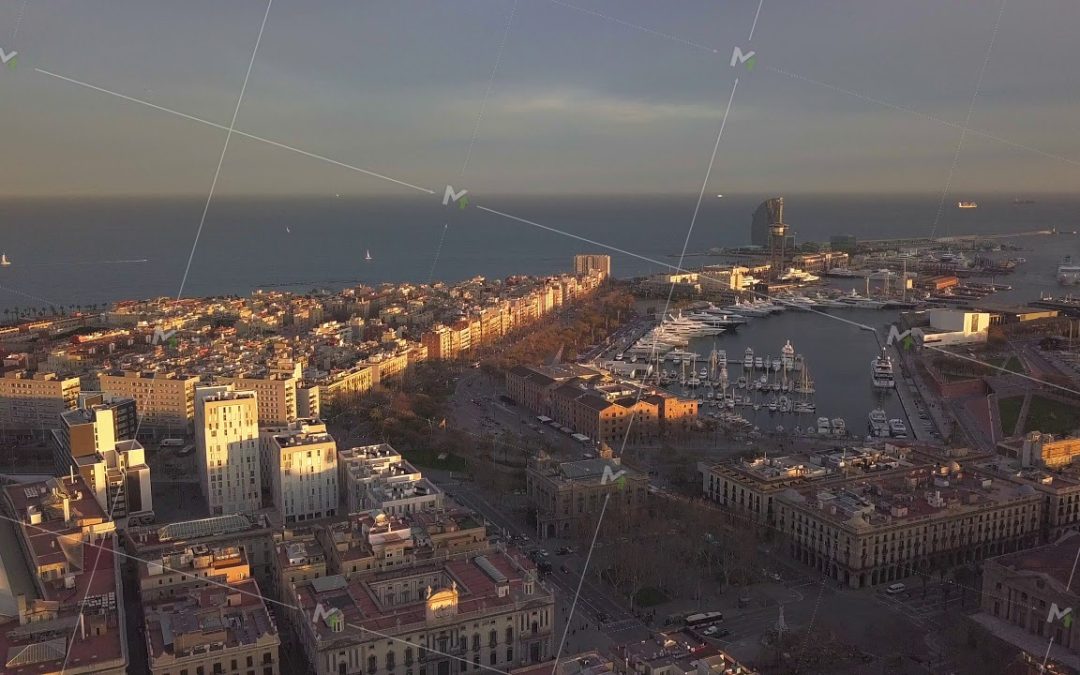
x=80, y=251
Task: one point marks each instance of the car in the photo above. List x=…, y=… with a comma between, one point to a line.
x=543, y=553
x=564, y=550
x=711, y=630
x=898, y=587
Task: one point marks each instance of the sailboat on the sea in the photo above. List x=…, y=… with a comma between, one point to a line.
x=367, y=255
x=4, y=260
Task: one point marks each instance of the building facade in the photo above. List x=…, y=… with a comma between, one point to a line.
x=227, y=449
x=164, y=400
x=34, y=401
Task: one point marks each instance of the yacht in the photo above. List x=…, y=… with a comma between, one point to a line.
x=741, y=383
x=747, y=309
x=966, y=205
x=842, y=272
x=803, y=407
x=787, y=356
x=748, y=359
x=1068, y=272
x=856, y=300
x=619, y=356
x=882, y=371
x=879, y=424
x=759, y=363
x=4, y=262
x=784, y=404
x=839, y=428
x=823, y=425
x=897, y=428
x=777, y=364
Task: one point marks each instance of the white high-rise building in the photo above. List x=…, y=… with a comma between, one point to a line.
x=302, y=461
x=227, y=447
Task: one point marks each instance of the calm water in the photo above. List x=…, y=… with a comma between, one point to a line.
x=65, y=251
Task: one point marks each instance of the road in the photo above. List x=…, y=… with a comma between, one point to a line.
x=594, y=601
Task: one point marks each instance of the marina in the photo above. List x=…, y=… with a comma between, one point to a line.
x=777, y=369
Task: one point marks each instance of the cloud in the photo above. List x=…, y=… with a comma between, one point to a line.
x=583, y=106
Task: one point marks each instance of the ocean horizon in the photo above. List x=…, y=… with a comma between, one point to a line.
x=80, y=250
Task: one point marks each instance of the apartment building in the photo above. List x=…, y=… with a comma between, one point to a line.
x=277, y=394
x=214, y=629
x=75, y=624
x=34, y=401
x=1027, y=599
x=178, y=570
x=98, y=421
x=1060, y=488
x=165, y=400
x=1037, y=449
x=441, y=617
x=227, y=449
x=302, y=462
x=355, y=381
x=254, y=535
x=377, y=477
x=567, y=494
x=883, y=528
x=589, y=263
x=438, y=343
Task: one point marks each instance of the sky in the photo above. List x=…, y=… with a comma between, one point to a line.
x=541, y=96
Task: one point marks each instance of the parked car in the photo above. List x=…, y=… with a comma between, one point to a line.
x=893, y=589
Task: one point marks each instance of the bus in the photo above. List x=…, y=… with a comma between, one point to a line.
x=172, y=443
x=703, y=619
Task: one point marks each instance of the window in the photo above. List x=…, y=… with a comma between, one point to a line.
x=493, y=639
x=390, y=659
x=509, y=654
x=492, y=657
x=372, y=664
x=408, y=657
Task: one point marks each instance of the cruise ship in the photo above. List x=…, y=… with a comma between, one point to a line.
x=882, y=370
x=1068, y=272
x=879, y=423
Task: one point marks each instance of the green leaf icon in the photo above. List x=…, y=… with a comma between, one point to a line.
x=463, y=202
x=12, y=62
x=750, y=63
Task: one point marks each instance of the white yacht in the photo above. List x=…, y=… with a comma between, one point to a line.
x=4, y=262
x=777, y=364
x=879, y=424
x=787, y=356
x=748, y=359
x=882, y=371
x=897, y=428
x=839, y=428
x=759, y=363
x=823, y=425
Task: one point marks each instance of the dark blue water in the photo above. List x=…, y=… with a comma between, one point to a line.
x=65, y=251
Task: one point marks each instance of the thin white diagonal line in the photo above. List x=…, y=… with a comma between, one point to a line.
x=476, y=127
x=641, y=389
x=581, y=581
x=967, y=120
x=224, y=149
x=756, y=15
x=579, y=237
x=237, y=132
x=635, y=26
